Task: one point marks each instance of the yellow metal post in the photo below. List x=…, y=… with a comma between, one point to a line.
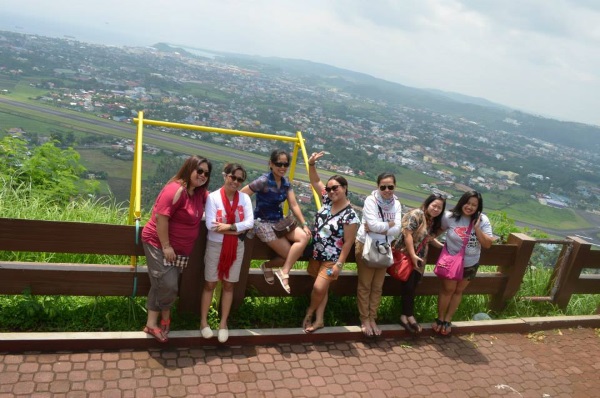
x=300, y=142
x=135, y=196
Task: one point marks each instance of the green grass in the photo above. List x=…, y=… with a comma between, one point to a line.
x=545, y=216
x=205, y=91
x=96, y=159
x=23, y=90
x=7, y=84
x=9, y=119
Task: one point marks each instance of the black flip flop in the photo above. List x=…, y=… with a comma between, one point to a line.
x=407, y=327
x=417, y=329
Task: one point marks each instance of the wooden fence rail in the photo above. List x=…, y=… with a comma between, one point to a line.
x=118, y=280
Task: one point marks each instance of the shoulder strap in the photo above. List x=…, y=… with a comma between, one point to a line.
x=467, y=237
x=421, y=244
x=382, y=219
x=330, y=216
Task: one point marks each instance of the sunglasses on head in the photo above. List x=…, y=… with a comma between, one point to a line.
x=201, y=172
x=384, y=187
x=440, y=196
x=332, y=188
x=234, y=178
x=282, y=164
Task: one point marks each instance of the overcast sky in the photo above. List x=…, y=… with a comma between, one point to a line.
x=540, y=56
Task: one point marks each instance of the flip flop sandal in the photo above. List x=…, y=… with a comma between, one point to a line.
x=281, y=276
x=267, y=273
x=437, y=326
x=416, y=327
x=407, y=326
x=366, y=330
x=446, y=329
x=376, y=330
x=314, y=327
x=156, y=333
x=306, y=323
x=165, y=325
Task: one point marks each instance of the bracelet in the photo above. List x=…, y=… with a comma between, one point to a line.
x=311, y=164
x=305, y=224
x=339, y=265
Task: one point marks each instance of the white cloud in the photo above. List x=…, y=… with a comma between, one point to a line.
x=535, y=55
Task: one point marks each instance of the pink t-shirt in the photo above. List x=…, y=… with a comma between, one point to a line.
x=184, y=215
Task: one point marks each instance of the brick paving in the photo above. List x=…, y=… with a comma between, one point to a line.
x=550, y=363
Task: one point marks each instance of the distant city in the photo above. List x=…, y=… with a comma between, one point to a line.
x=334, y=111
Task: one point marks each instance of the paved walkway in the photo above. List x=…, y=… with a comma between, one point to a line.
x=551, y=363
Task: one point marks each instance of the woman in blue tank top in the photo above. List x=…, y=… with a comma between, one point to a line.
x=271, y=190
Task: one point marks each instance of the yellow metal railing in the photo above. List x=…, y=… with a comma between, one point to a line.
x=136, y=176
x=135, y=194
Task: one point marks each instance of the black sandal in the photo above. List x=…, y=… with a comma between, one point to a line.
x=444, y=330
x=407, y=326
x=417, y=329
x=437, y=326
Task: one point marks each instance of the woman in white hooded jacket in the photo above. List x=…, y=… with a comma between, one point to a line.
x=382, y=217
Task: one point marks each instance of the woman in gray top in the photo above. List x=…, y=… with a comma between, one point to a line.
x=456, y=222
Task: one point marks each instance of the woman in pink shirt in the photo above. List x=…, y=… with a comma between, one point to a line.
x=169, y=237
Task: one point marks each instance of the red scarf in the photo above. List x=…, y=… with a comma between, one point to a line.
x=230, y=242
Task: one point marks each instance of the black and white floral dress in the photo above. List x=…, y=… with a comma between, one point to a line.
x=328, y=233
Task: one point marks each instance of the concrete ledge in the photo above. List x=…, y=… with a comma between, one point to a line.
x=81, y=341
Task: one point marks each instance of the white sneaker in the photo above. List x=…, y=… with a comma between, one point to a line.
x=207, y=333
x=223, y=335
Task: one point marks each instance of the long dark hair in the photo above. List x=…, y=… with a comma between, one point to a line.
x=436, y=222
x=457, y=210
x=185, y=172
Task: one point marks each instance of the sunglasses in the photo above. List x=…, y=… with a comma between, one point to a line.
x=234, y=178
x=201, y=172
x=282, y=164
x=440, y=196
x=384, y=187
x=332, y=188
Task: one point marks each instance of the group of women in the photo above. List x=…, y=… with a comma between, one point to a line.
x=169, y=236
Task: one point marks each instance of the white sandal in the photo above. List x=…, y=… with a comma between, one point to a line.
x=281, y=276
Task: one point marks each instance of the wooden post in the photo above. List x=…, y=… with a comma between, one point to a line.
x=566, y=283
x=516, y=272
x=192, y=279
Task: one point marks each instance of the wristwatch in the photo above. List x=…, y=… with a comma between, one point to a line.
x=339, y=265
x=232, y=227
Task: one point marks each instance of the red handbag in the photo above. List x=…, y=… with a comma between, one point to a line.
x=402, y=265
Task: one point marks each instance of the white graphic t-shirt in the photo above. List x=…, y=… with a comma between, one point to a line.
x=456, y=232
